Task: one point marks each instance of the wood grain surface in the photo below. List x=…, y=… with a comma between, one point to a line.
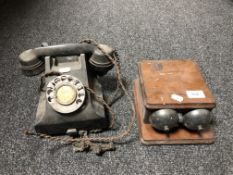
x=162, y=80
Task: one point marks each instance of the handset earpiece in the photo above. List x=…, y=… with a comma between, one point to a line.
x=99, y=61
x=32, y=60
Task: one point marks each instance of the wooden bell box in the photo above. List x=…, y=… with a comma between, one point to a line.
x=176, y=85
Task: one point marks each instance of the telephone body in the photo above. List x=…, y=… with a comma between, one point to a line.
x=65, y=105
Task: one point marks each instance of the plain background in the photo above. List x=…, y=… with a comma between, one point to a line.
x=140, y=29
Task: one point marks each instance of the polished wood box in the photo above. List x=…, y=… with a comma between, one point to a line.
x=176, y=84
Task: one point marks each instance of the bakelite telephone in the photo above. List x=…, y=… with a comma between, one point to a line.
x=65, y=106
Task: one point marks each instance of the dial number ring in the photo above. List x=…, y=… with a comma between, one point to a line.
x=65, y=94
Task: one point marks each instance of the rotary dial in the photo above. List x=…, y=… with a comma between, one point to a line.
x=65, y=93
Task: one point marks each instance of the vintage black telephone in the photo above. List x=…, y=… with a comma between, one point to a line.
x=65, y=105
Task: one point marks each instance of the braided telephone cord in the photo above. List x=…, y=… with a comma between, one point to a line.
x=112, y=138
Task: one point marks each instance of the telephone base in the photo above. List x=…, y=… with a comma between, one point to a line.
x=91, y=115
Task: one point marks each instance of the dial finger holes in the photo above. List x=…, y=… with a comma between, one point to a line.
x=78, y=101
x=57, y=80
x=70, y=78
x=76, y=82
x=50, y=99
x=63, y=78
x=49, y=91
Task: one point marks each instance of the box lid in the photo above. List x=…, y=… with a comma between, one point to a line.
x=173, y=84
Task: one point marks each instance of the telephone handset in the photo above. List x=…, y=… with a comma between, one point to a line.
x=32, y=60
x=65, y=106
